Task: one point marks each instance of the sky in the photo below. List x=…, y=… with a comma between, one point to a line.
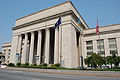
x=106, y=11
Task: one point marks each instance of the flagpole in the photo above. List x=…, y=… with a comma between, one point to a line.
x=99, y=42
x=98, y=31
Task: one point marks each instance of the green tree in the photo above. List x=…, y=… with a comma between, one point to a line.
x=117, y=61
x=109, y=60
x=113, y=60
x=94, y=60
x=88, y=61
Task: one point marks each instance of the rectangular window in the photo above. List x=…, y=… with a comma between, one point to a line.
x=8, y=56
x=8, y=53
x=89, y=47
x=112, y=45
x=100, y=47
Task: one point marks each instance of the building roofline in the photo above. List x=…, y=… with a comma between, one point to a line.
x=103, y=26
x=7, y=43
x=79, y=14
x=53, y=7
x=43, y=19
x=43, y=10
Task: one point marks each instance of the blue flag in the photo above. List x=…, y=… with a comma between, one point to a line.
x=57, y=23
x=78, y=21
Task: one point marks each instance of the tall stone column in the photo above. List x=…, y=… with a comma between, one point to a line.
x=106, y=45
x=79, y=51
x=56, y=48
x=14, y=49
x=39, y=47
x=19, y=44
x=19, y=47
x=24, y=54
x=47, y=45
x=31, y=48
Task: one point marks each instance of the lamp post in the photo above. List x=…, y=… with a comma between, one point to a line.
x=17, y=58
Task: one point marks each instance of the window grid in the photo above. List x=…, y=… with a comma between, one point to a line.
x=112, y=45
x=100, y=47
x=89, y=47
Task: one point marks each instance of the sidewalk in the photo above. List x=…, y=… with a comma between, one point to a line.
x=69, y=72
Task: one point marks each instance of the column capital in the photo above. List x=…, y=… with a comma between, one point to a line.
x=47, y=29
x=20, y=35
x=32, y=32
x=39, y=30
x=25, y=34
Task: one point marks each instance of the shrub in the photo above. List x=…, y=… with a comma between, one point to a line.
x=33, y=65
x=11, y=65
x=57, y=65
x=26, y=64
x=18, y=64
x=40, y=65
x=44, y=64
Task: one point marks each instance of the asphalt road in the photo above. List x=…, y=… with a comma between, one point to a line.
x=24, y=75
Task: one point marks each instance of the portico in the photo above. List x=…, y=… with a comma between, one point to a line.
x=36, y=41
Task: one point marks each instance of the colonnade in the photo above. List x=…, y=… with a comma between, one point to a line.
x=38, y=47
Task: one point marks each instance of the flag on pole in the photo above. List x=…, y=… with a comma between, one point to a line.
x=57, y=23
x=97, y=28
x=78, y=24
x=78, y=21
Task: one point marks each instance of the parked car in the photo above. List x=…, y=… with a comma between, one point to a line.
x=105, y=67
x=3, y=65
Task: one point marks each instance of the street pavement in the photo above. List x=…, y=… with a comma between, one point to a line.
x=27, y=75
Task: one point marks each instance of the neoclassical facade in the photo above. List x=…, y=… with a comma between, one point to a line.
x=106, y=43
x=35, y=41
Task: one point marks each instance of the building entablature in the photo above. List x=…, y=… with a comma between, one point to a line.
x=54, y=12
x=115, y=28
x=6, y=45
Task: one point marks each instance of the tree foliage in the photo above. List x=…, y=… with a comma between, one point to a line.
x=94, y=60
x=113, y=60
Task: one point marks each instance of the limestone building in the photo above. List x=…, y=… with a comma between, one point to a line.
x=35, y=40
x=6, y=51
x=109, y=41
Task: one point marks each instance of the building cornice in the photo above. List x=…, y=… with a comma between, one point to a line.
x=43, y=27
x=45, y=19
x=104, y=32
x=103, y=26
x=6, y=46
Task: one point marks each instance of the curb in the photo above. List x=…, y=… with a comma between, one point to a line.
x=58, y=72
